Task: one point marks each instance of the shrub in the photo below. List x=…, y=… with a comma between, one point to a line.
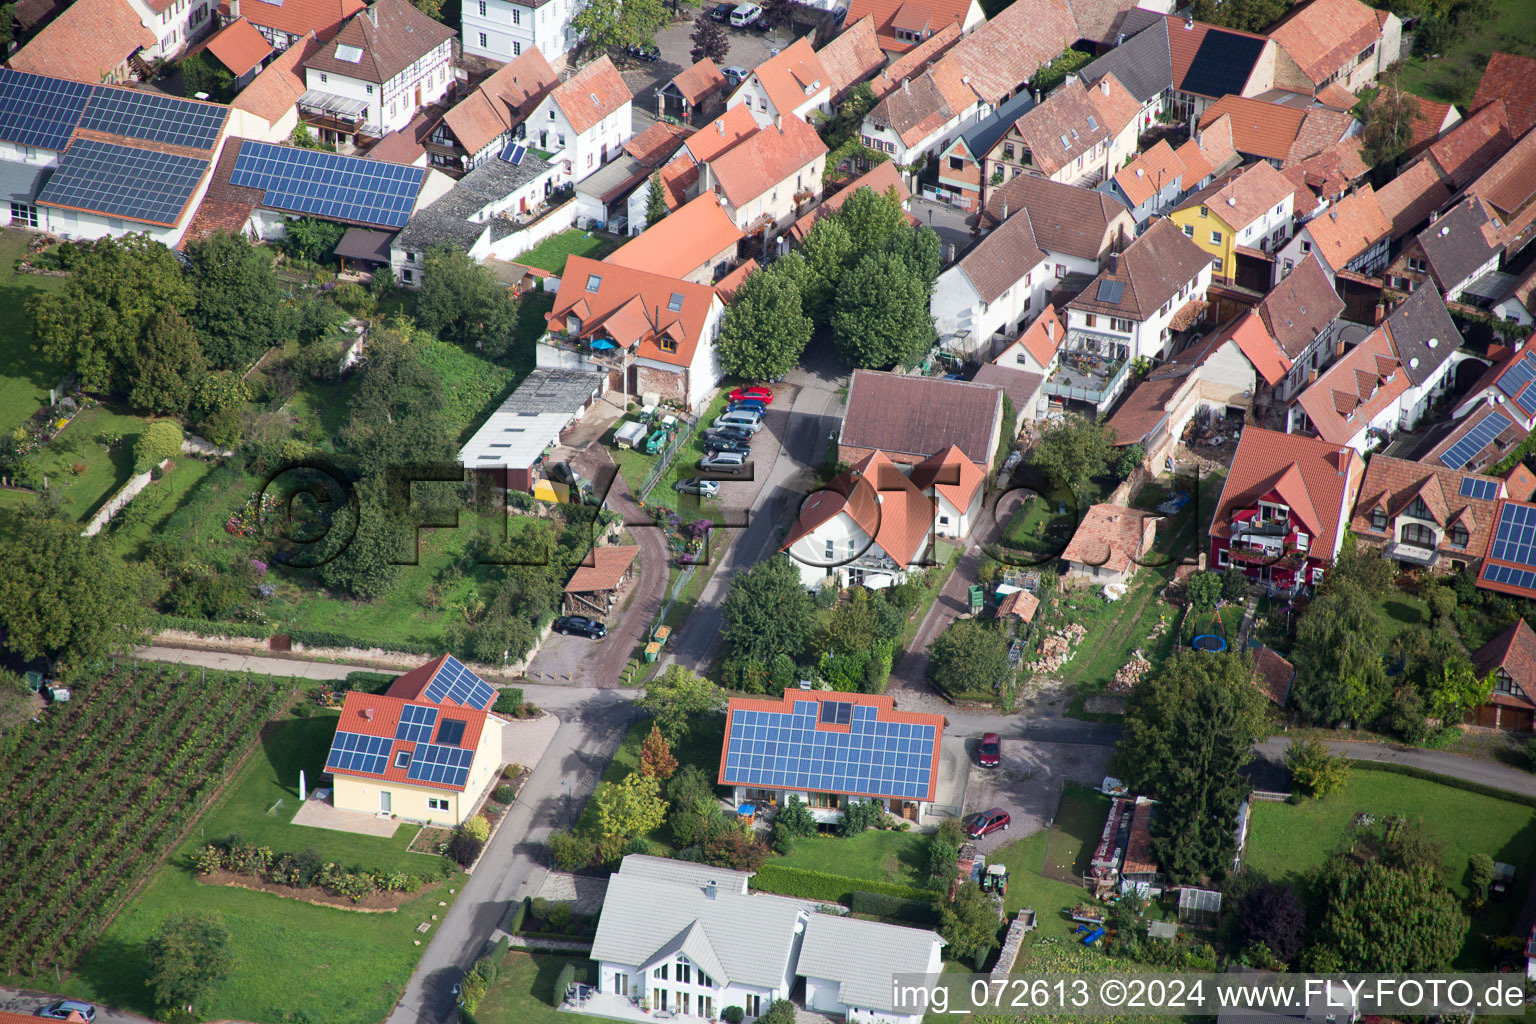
x=686, y=827
x=370, y=682
x=920, y=912
x=783, y=842
x=564, y=979
x=478, y=827
x=464, y=849
x=732, y=848
x=1315, y=770
x=571, y=851
x=509, y=701
x=796, y=818
x=641, y=845
x=560, y=916
x=518, y=917
x=732, y=1014
x=860, y=815
x=504, y=794
x=160, y=440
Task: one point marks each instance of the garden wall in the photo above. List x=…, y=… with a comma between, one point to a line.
x=124, y=495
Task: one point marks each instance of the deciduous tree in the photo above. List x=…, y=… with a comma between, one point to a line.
x=1272, y=913
x=1388, y=919
x=765, y=331
x=169, y=363
x=1456, y=690
x=1389, y=123
x=678, y=696
x=968, y=924
x=161, y=440
x=1313, y=769
x=1339, y=674
x=633, y=807
x=1073, y=450
x=768, y=611
x=187, y=958
x=611, y=25
x=968, y=657
x=238, y=307
x=656, y=758
x=1244, y=15
x=880, y=315
x=461, y=301
x=709, y=39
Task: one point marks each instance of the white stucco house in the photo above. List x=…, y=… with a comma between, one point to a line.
x=996, y=288
x=504, y=29
x=847, y=966
x=584, y=121
x=792, y=81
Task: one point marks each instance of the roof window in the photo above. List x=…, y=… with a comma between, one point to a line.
x=594, y=282
x=675, y=303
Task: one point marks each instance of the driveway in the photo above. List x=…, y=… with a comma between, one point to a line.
x=748, y=49
x=1028, y=782
x=1486, y=773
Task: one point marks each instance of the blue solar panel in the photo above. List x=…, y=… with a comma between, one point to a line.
x=1514, y=539
x=354, y=752
x=1518, y=375
x=152, y=116
x=39, y=111
x=1483, y=489
x=514, y=152
x=416, y=724
x=329, y=185
x=448, y=766
x=787, y=751
x=1476, y=439
x=456, y=683
x=119, y=181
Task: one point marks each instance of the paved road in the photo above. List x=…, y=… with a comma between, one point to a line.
x=1487, y=773
x=27, y=1002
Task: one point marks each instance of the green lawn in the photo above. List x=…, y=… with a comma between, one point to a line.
x=178, y=484
x=1028, y=887
x=104, y=469
x=1075, y=832
x=1397, y=611
x=25, y=376
x=1453, y=76
x=524, y=991
x=877, y=855
x=551, y=253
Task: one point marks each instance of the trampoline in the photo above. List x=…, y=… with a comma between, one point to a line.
x=1209, y=642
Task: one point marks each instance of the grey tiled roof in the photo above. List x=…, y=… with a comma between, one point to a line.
x=665, y=869
x=985, y=134
x=448, y=219
x=1420, y=318
x=1455, y=244
x=861, y=956
x=1143, y=63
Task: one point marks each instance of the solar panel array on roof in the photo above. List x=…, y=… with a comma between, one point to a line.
x=1483, y=489
x=354, y=752
x=1222, y=64
x=1110, y=291
x=329, y=185
x=39, y=111
x=1514, y=539
x=1518, y=375
x=120, y=181
x=1475, y=440
x=157, y=118
x=448, y=766
x=787, y=751
x=1522, y=578
x=416, y=724
x=456, y=683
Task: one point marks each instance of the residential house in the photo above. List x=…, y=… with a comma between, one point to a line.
x=1149, y=184
x=425, y=750
x=1471, y=147
x=1021, y=368
x=696, y=243
x=1110, y=544
x=1301, y=315
x=1074, y=136
x=799, y=745
x=882, y=178
x=1508, y=191
x=956, y=486
x=791, y=82
x=606, y=196
x=239, y=49
x=846, y=963
x=1358, y=401
x=267, y=110
x=900, y=26
x=384, y=65
x=500, y=30
x=868, y=527
x=509, y=447
x=1351, y=236
x=960, y=164
x=680, y=173
x=766, y=180
x=908, y=418
x=1130, y=311
x=1517, y=304
x=1511, y=79
x=1076, y=228
x=1247, y=209
x=1426, y=516
x=1283, y=508
x=1279, y=133
x=1207, y=62
x=285, y=23
x=482, y=124
x=584, y=121
x=594, y=589
x=1143, y=63
x=1209, y=153
x=1453, y=252
x=1336, y=169
x=1511, y=658
x=1341, y=42
x=1411, y=198
x=94, y=41
x=1509, y=567
x=852, y=56
x=1493, y=416
x=994, y=289
x=1434, y=119
x=647, y=332
x=1035, y=349
x=693, y=96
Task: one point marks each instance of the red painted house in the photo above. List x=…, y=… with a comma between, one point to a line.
x=1284, y=508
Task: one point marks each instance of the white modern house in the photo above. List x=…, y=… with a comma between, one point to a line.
x=847, y=966
x=996, y=288
x=384, y=65
x=502, y=29
x=867, y=527
x=584, y=121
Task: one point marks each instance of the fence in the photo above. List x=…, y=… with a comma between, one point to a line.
x=948, y=198
x=664, y=460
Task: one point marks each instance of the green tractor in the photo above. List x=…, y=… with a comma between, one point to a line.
x=995, y=880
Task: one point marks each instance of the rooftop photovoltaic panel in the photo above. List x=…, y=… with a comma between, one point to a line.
x=1110, y=291
x=787, y=751
x=157, y=118
x=120, y=181
x=1518, y=375
x=456, y=683
x=1484, y=489
x=1527, y=401
x=1522, y=578
x=514, y=152
x=1476, y=439
x=1222, y=64
x=329, y=185
x=39, y=111
x=354, y=752
x=448, y=766
x=416, y=724
x=1514, y=539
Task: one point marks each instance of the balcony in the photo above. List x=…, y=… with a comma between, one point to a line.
x=1413, y=554
x=1276, y=559
x=1259, y=528
x=1092, y=368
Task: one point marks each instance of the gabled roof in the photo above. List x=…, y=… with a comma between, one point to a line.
x=1210, y=151
x=1260, y=348
x=1300, y=307
x=1513, y=650
x=1143, y=63
x=86, y=43
x=1145, y=408
x=918, y=416
x=591, y=94
x=1508, y=188
x=1153, y=169
x=1357, y=386
x=1430, y=123
x=977, y=141
x=1349, y=228
x=609, y=564
x=1412, y=196
x=851, y=57
x=1241, y=197
x=392, y=34
x=462, y=688
x=721, y=134
x=1501, y=429
x=238, y=46
x=1001, y=259
x=792, y=76
x=1111, y=536
x=766, y=159
x=860, y=956
x=1311, y=473
x=951, y=475
x=699, y=82
x=1043, y=337
x=1062, y=128
x=1333, y=169
x=297, y=17
x=658, y=143
x=681, y=242
x=1511, y=78
x=1471, y=146
x=501, y=101
x=1276, y=131
x=1272, y=674
x=1457, y=243
x=1211, y=61
x=1151, y=270
x=882, y=178
x=1322, y=35
x=630, y=307
x=1065, y=218
x=1520, y=482
x=728, y=285
x=1392, y=484
x=936, y=15
x=277, y=89
x=916, y=60
x=386, y=719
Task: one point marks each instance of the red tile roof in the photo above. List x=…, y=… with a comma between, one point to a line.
x=792, y=76
x=1153, y=269
x=1520, y=482
x=1003, y=258
x=683, y=241
x=630, y=307
x=278, y=87
x=1322, y=35
x=1349, y=228
x=767, y=159
x=238, y=46
x=916, y=60
x=880, y=499
x=1511, y=78
x=1238, y=198
x=936, y=15
x=609, y=564
x=882, y=177
x=1152, y=169
x=1312, y=476
x=1272, y=674
x=392, y=34
x=1513, y=650
x=1144, y=408
x=225, y=207
x=1392, y=484
x=658, y=143
x=503, y=100
x=1254, y=340
x=1429, y=124
x=852, y=57
x=1466, y=150
x=699, y=82
x=721, y=134
x=1276, y=131
x=1361, y=383
x=1412, y=196
x=1057, y=131
x=1020, y=604
x=371, y=714
x=88, y=42
x=953, y=476
x=728, y=285
x=1043, y=337
x=298, y=17
x=591, y=94
x=1509, y=186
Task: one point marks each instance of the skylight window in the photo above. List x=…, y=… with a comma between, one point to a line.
x=1066, y=143
x=347, y=52
x=594, y=282
x=1093, y=125
x=675, y=303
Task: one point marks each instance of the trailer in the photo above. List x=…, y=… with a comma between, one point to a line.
x=630, y=434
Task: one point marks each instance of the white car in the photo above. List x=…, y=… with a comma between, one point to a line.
x=741, y=419
x=745, y=14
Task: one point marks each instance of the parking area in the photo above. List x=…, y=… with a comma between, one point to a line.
x=748, y=49
x=1027, y=784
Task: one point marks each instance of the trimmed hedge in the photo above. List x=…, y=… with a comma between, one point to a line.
x=563, y=982
x=518, y=916
x=829, y=888
x=466, y=1017
x=1445, y=780
x=203, y=627
x=879, y=904
x=370, y=682
x=330, y=638
x=498, y=952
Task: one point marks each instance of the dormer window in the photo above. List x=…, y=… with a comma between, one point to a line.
x=666, y=344
x=1459, y=536
x=1378, y=518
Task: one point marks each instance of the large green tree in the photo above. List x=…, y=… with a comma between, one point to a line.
x=399, y=411
x=238, y=310
x=169, y=363
x=1339, y=643
x=677, y=696
x=828, y=253
x=765, y=331
x=968, y=657
x=65, y=596
x=873, y=218
x=969, y=923
x=768, y=612
x=1389, y=123
x=1387, y=918
x=611, y=25
x=96, y=325
x=370, y=534
x=461, y=301
x=187, y=958
x=1073, y=450
x=880, y=316
x=1189, y=728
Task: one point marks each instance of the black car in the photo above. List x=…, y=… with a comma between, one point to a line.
x=716, y=445
x=721, y=12
x=760, y=25
x=647, y=53
x=726, y=434
x=580, y=625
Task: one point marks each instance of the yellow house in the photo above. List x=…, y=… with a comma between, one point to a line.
x=426, y=750
x=1251, y=208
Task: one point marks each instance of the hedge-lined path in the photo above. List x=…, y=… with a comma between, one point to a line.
x=1484, y=773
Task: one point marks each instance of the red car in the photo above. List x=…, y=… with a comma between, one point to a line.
x=754, y=393
x=985, y=822
x=987, y=756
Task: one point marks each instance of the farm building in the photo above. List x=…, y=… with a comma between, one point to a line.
x=594, y=589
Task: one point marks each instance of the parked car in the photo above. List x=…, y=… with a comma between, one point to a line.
x=742, y=419
x=987, y=756
x=647, y=53
x=734, y=73
x=754, y=392
x=750, y=404
x=693, y=485
x=64, y=1007
x=985, y=822
x=721, y=12
x=746, y=14
x=580, y=625
x=714, y=445
x=733, y=463
x=726, y=434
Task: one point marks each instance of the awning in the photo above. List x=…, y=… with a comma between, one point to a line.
x=363, y=244
x=330, y=103
x=20, y=182
x=602, y=343
x=1412, y=553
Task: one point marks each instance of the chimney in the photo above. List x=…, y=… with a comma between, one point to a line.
x=1113, y=266
x=720, y=126
x=1120, y=38
x=234, y=10
x=710, y=890
x=1379, y=314
x=906, y=86
x=778, y=122
x=1104, y=85
x=1005, y=210
x=373, y=15
x=1343, y=460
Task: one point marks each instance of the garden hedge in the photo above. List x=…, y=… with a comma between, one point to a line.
x=1444, y=780
x=330, y=638
x=879, y=904
x=829, y=888
x=518, y=916
x=466, y=1017
x=203, y=627
x=563, y=982
x=370, y=682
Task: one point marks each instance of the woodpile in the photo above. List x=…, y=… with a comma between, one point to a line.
x=1129, y=674
x=1056, y=649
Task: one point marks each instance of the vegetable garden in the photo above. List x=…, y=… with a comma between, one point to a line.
x=112, y=780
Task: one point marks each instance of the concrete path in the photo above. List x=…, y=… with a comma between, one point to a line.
x=1487, y=773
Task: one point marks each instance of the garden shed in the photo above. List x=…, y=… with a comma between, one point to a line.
x=1199, y=907
x=594, y=589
